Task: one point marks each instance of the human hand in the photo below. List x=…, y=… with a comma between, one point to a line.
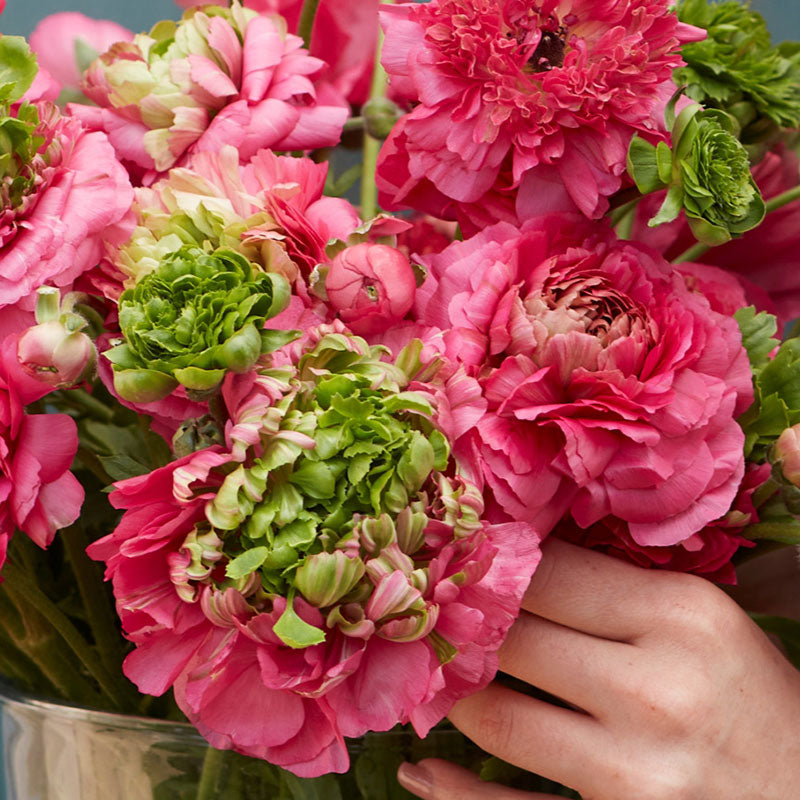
x=677, y=693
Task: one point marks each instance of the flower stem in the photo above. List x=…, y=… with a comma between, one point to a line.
x=369, y=190
x=99, y=612
x=121, y=694
x=779, y=201
x=306, y=25
x=213, y=763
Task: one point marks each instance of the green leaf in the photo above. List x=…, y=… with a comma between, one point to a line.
x=758, y=332
x=247, y=562
x=315, y=479
x=121, y=467
x=376, y=774
x=294, y=631
x=18, y=68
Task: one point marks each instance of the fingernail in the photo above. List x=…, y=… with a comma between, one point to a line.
x=416, y=779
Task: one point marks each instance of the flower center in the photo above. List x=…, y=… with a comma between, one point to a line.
x=550, y=51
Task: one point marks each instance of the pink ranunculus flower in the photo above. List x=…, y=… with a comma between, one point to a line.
x=346, y=620
x=613, y=389
x=708, y=553
x=59, y=38
x=765, y=259
x=545, y=95
x=38, y=493
x=231, y=76
x=371, y=287
x=345, y=36
x=271, y=208
x=70, y=198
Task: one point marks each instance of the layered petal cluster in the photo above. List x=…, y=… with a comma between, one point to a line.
x=327, y=562
x=708, y=553
x=271, y=209
x=613, y=389
x=220, y=76
x=63, y=193
x=523, y=106
x=38, y=493
x=344, y=37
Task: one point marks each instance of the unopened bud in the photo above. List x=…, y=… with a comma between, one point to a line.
x=56, y=355
x=380, y=115
x=786, y=453
x=324, y=578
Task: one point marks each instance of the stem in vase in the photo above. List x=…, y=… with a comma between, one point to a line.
x=213, y=764
x=99, y=610
x=121, y=693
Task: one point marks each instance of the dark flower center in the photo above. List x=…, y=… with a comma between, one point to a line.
x=550, y=51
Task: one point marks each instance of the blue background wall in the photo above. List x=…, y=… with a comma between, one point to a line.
x=21, y=15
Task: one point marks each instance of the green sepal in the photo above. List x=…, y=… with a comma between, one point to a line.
x=670, y=208
x=143, y=385
x=643, y=166
x=199, y=380
x=294, y=631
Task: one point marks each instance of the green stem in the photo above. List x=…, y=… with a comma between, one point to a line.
x=94, y=465
x=99, y=611
x=764, y=492
x=354, y=124
x=213, y=763
x=697, y=250
x=369, y=189
x=779, y=201
x=40, y=644
x=121, y=693
x=81, y=400
x=306, y=25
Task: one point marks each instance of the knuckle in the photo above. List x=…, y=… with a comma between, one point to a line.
x=494, y=728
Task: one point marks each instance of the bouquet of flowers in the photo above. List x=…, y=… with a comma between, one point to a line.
x=315, y=443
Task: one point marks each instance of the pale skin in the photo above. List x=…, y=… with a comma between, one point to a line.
x=677, y=694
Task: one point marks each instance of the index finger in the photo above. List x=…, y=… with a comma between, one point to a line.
x=595, y=593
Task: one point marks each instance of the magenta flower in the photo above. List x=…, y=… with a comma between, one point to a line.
x=38, y=493
x=708, y=553
x=222, y=77
x=59, y=39
x=531, y=99
x=613, y=389
x=320, y=563
x=371, y=287
x=64, y=195
x=344, y=37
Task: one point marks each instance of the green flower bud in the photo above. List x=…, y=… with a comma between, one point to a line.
x=191, y=320
x=707, y=174
x=380, y=115
x=323, y=579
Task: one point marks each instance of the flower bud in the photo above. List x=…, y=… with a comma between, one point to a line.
x=324, y=578
x=56, y=351
x=380, y=115
x=371, y=287
x=786, y=453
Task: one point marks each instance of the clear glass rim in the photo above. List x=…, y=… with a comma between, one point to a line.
x=12, y=696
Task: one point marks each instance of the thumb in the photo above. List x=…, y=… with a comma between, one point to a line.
x=434, y=779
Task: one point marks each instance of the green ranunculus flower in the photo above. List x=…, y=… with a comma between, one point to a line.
x=707, y=173
x=736, y=67
x=345, y=479
x=194, y=318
